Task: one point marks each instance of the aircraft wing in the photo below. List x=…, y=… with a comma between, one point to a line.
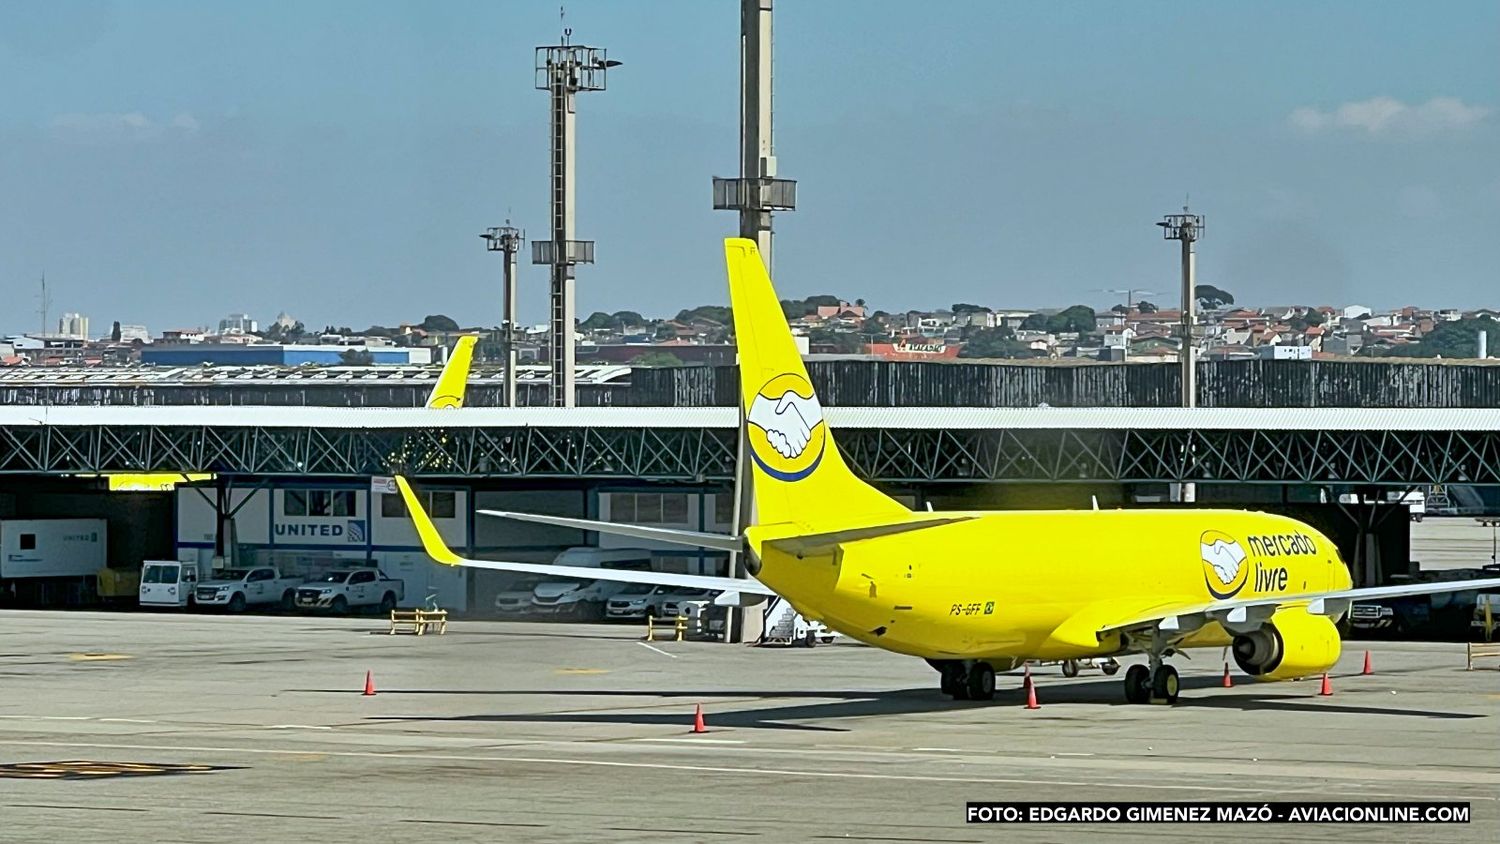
x=737, y=592
x=1250, y=612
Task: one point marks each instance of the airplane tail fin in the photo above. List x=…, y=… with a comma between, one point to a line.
x=449, y=390
x=799, y=475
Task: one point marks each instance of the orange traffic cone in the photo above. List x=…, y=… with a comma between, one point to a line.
x=1031, y=695
x=369, y=684
x=698, y=719
x=1368, y=668
x=1327, y=688
x=1228, y=683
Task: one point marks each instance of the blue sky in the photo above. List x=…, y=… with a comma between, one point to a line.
x=169, y=162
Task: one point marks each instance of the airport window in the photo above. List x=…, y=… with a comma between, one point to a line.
x=724, y=509
x=28, y=542
x=392, y=506
x=674, y=509
x=439, y=505
x=294, y=503
x=343, y=502
x=648, y=509
x=622, y=507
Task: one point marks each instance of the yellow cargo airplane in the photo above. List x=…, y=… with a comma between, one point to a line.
x=973, y=592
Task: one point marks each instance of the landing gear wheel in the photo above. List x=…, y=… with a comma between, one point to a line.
x=1110, y=667
x=954, y=682
x=1137, y=684
x=981, y=685
x=1070, y=668
x=1164, y=684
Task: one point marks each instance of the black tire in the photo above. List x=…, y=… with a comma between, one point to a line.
x=237, y=602
x=951, y=680
x=809, y=639
x=827, y=640
x=1070, y=668
x=1111, y=668
x=387, y=603
x=651, y=612
x=1137, y=684
x=1165, y=684
x=981, y=682
x=288, y=598
x=340, y=605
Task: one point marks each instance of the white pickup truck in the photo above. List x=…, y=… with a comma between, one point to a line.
x=239, y=588
x=341, y=589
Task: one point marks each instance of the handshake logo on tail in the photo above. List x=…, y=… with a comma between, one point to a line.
x=788, y=420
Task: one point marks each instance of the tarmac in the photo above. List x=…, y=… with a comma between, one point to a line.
x=212, y=728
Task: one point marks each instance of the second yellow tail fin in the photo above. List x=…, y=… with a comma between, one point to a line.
x=449, y=390
x=799, y=475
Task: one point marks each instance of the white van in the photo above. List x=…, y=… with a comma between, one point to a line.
x=586, y=598
x=167, y=583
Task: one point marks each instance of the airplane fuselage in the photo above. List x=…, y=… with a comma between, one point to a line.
x=1000, y=585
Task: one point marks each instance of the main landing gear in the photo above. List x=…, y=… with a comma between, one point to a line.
x=1156, y=683
x=966, y=679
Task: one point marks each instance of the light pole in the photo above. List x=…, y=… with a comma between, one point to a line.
x=1186, y=228
x=565, y=70
x=507, y=239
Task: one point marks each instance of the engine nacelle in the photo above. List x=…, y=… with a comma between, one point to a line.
x=1292, y=644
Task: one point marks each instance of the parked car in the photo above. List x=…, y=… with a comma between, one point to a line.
x=236, y=589
x=342, y=589
x=677, y=601
x=586, y=598
x=516, y=599
x=637, y=600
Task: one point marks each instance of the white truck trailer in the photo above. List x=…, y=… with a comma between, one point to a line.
x=46, y=561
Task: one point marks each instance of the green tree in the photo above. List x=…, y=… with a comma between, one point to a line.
x=1146, y=307
x=1079, y=318
x=356, y=357
x=1212, y=297
x=843, y=342
x=656, y=357
x=709, y=313
x=438, y=322
x=598, y=321
x=625, y=319
x=1035, y=322
x=1457, y=339
x=966, y=308
x=994, y=343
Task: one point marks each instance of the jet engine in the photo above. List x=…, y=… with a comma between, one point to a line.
x=1292, y=644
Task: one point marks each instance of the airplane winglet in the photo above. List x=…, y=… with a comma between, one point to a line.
x=432, y=541
x=453, y=381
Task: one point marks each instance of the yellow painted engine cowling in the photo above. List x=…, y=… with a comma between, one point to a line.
x=1292, y=644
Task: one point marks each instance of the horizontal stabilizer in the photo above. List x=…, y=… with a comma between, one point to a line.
x=438, y=550
x=695, y=538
